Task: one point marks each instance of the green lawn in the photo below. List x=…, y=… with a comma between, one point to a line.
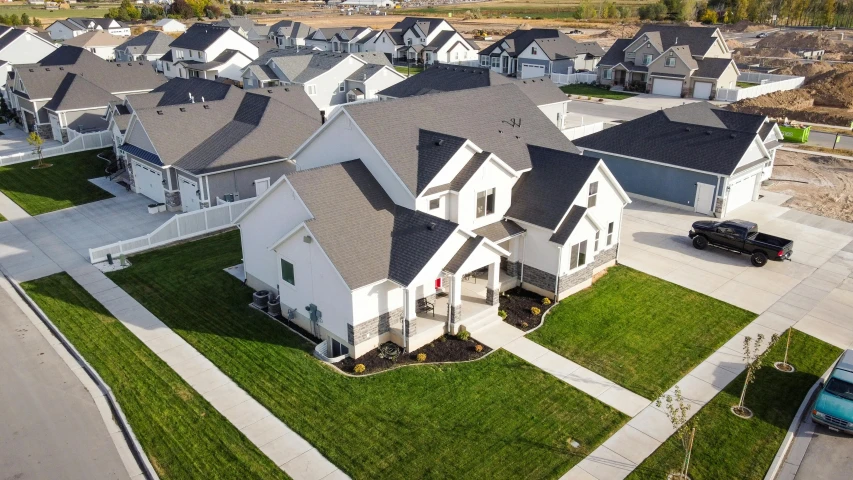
x=496, y=418
x=640, y=331
x=63, y=185
x=729, y=447
x=745, y=84
x=590, y=91
x=183, y=435
x=406, y=70
x=2, y=218
x=50, y=15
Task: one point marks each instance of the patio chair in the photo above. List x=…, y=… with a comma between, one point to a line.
x=423, y=305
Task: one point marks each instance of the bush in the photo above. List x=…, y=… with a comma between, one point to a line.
x=546, y=301
x=422, y=357
x=463, y=334
x=502, y=314
x=655, y=11
x=359, y=368
x=524, y=324
x=535, y=310
x=478, y=348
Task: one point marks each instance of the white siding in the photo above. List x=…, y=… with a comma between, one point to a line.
x=490, y=175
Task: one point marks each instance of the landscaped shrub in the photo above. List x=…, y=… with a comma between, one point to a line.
x=463, y=334
x=478, y=348
x=502, y=314
x=422, y=357
x=359, y=368
x=524, y=324
x=535, y=310
x=546, y=301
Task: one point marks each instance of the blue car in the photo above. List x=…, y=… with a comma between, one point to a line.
x=834, y=404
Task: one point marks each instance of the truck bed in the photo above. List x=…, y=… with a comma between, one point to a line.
x=769, y=239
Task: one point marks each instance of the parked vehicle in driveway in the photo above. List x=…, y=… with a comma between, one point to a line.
x=834, y=404
x=742, y=237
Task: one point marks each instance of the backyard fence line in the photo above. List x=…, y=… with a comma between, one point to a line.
x=768, y=83
x=572, y=78
x=180, y=227
x=77, y=142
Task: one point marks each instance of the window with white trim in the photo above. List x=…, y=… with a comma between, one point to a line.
x=647, y=59
x=485, y=202
x=496, y=62
x=179, y=54
x=608, y=74
x=287, y=273
x=593, y=195
x=670, y=60
x=311, y=89
x=409, y=42
x=341, y=87
x=609, y=233
x=597, y=236
x=578, y=255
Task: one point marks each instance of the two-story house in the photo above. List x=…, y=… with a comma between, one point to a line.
x=330, y=79
x=193, y=144
x=149, y=46
x=100, y=43
x=246, y=27
x=424, y=40
x=72, y=27
x=19, y=46
x=289, y=33
x=71, y=88
x=392, y=215
x=540, y=52
x=340, y=39
x=210, y=52
x=670, y=60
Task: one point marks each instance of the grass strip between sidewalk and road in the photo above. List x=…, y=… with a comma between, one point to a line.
x=591, y=91
x=639, y=331
x=183, y=436
x=495, y=418
x=728, y=446
x=63, y=185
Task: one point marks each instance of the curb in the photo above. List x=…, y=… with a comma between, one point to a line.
x=118, y=414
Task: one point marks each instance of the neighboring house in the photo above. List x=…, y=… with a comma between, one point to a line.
x=18, y=46
x=671, y=60
x=72, y=27
x=340, y=39
x=190, y=151
x=100, y=43
x=397, y=203
x=424, y=40
x=696, y=157
x=149, y=46
x=329, y=79
x=210, y=52
x=71, y=88
x=540, y=52
x=246, y=27
x=450, y=78
x=288, y=33
x=170, y=25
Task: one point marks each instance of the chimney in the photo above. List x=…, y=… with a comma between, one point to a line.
x=202, y=99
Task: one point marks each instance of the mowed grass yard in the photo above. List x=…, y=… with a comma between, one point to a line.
x=495, y=418
x=409, y=70
x=183, y=435
x=63, y=185
x=591, y=91
x=728, y=447
x=639, y=331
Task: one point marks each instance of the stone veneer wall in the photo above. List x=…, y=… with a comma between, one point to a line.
x=173, y=199
x=546, y=281
x=513, y=269
x=718, y=206
x=539, y=278
x=455, y=313
x=492, y=296
x=45, y=131
x=374, y=327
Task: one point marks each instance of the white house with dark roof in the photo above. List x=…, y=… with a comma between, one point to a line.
x=209, y=52
x=72, y=27
x=289, y=33
x=149, y=46
x=340, y=39
x=391, y=217
x=424, y=40
x=671, y=60
x=540, y=52
x=246, y=27
x=696, y=157
x=18, y=46
x=96, y=41
x=170, y=25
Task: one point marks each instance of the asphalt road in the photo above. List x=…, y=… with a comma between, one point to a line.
x=829, y=456
x=50, y=427
x=823, y=139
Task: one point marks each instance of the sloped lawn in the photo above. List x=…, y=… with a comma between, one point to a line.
x=639, y=331
x=499, y=417
x=183, y=435
x=592, y=91
x=63, y=185
x=729, y=447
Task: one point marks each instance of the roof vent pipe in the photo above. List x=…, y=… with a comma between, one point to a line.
x=676, y=40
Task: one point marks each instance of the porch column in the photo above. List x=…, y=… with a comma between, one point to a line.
x=493, y=286
x=410, y=316
x=454, y=303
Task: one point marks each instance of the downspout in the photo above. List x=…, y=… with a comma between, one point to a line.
x=405, y=331
x=559, y=268
x=621, y=216
x=523, y=246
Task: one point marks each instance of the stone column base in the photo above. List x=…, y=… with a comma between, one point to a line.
x=492, y=296
x=455, y=313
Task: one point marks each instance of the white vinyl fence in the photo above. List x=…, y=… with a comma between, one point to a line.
x=767, y=83
x=180, y=227
x=572, y=78
x=77, y=142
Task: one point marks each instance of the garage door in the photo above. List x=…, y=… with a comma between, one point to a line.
x=532, y=71
x=189, y=197
x=662, y=86
x=740, y=193
x=702, y=90
x=149, y=182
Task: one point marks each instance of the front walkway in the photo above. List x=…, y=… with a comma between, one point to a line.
x=14, y=141
x=29, y=249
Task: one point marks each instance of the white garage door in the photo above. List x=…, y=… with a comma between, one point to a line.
x=189, y=197
x=532, y=71
x=149, y=182
x=702, y=90
x=740, y=193
x=663, y=86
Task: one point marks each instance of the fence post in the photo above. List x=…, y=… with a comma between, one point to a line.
x=178, y=224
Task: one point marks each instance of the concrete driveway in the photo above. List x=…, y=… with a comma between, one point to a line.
x=815, y=289
x=647, y=101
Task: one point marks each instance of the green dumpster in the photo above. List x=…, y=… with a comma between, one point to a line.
x=795, y=134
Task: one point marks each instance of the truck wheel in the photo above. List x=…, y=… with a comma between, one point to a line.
x=700, y=242
x=759, y=259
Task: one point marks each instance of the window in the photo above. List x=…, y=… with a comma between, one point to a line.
x=383, y=39
x=434, y=203
x=595, y=246
x=311, y=89
x=533, y=50
x=670, y=60
x=287, y=272
x=179, y=54
x=484, y=61
x=341, y=87
x=610, y=233
x=409, y=42
x=608, y=74
x=168, y=67
x=647, y=59
x=496, y=62
x=339, y=349
x=486, y=202
x=578, y=255
x=593, y=194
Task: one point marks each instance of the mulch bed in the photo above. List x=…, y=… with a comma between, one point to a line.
x=443, y=349
x=517, y=304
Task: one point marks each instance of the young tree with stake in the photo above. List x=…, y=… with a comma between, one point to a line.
x=753, y=357
x=36, y=141
x=685, y=428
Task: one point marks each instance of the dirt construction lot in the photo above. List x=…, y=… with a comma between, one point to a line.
x=818, y=184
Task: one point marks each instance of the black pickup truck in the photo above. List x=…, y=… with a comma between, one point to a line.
x=741, y=237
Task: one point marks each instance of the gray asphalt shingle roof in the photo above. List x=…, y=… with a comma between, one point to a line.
x=616, y=54
x=151, y=42
x=712, y=67
x=553, y=42
x=304, y=65
x=75, y=92
x=500, y=231
x=200, y=36
x=700, y=39
x=9, y=35
x=463, y=253
x=561, y=236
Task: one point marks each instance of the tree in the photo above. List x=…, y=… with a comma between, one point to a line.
x=624, y=12
x=181, y=9
x=653, y=11
x=708, y=17
x=829, y=10
x=237, y=9
x=685, y=427
x=36, y=141
x=783, y=366
x=14, y=20
x=25, y=19
x=741, y=11
x=37, y=23
x=754, y=358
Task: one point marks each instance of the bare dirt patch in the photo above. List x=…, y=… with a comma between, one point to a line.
x=818, y=184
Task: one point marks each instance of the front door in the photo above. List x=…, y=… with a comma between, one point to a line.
x=505, y=64
x=704, y=202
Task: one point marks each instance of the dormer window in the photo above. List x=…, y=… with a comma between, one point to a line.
x=670, y=61
x=485, y=202
x=593, y=195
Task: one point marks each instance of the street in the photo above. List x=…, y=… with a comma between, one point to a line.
x=50, y=427
x=823, y=139
x=829, y=456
